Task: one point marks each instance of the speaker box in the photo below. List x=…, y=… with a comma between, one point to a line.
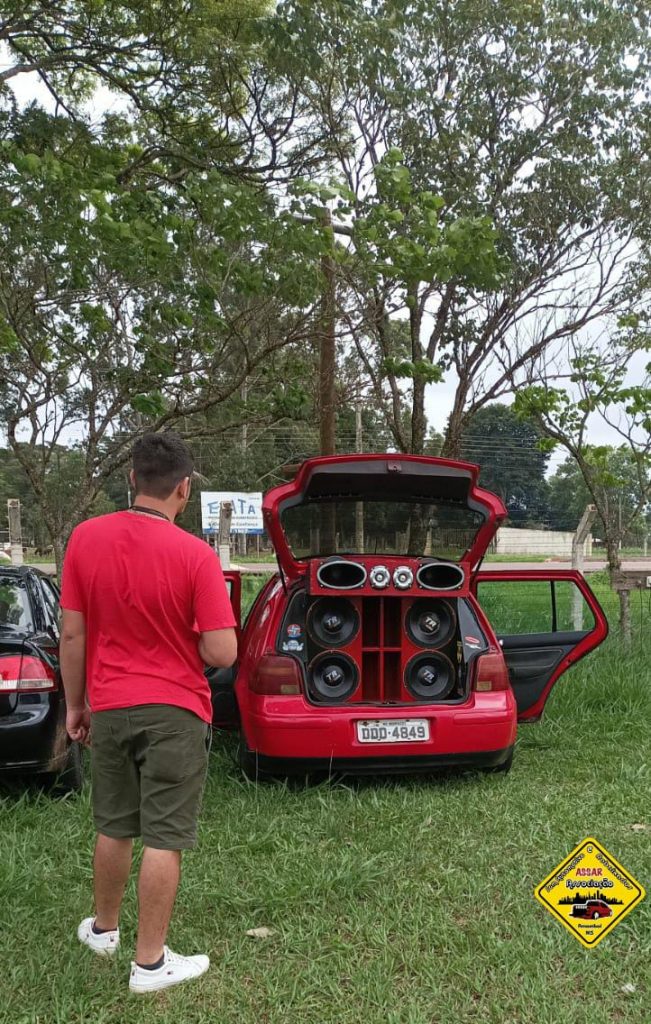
x=381, y=649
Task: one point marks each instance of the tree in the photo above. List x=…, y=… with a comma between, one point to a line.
x=146, y=268
x=521, y=127
x=511, y=461
x=617, y=479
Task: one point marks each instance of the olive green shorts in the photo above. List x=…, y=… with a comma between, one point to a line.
x=149, y=767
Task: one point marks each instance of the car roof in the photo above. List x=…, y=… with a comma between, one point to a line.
x=20, y=571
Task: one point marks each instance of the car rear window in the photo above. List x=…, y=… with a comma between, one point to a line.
x=444, y=529
x=15, y=609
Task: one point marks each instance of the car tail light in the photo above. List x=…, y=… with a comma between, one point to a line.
x=276, y=675
x=491, y=673
x=25, y=674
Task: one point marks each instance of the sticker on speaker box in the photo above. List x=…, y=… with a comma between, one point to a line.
x=292, y=646
x=472, y=641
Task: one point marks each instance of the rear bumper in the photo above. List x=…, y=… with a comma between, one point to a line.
x=33, y=737
x=396, y=765
x=288, y=728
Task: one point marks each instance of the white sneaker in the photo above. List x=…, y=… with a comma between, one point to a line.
x=175, y=969
x=104, y=944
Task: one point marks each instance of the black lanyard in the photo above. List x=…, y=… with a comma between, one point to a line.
x=150, y=512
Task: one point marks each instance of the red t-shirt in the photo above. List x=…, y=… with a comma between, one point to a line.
x=147, y=589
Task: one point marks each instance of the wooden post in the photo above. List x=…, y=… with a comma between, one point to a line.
x=578, y=552
x=224, y=534
x=15, y=531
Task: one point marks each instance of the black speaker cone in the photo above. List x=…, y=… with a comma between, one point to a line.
x=430, y=676
x=341, y=575
x=332, y=621
x=431, y=622
x=440, y=576
x=332, y=676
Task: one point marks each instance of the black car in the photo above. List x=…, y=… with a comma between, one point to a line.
x=33, y=735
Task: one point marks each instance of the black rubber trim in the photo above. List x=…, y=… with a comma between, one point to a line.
x=369, y=765
x=512, y=641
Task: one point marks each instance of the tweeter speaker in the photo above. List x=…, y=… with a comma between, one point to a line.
x=430, y=676
x=332, y=621
x=341, y=575
x=332, y=676
x=431, y=622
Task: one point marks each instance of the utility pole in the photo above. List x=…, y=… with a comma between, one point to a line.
x=359, y=505
x=578, y=552
x=327, y=359
x=327, y=365
x=15, y=531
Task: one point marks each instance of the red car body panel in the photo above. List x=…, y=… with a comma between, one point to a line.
x=475, y=724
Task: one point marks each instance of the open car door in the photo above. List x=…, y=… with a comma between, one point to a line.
x=222, y=680
x=544, y=621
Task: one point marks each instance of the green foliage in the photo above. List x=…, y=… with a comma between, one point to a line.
x=511, y=461
x=492, y=149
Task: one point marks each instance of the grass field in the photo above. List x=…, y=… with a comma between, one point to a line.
x=391, y=902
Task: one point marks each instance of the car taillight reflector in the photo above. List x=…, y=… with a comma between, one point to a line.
x=491, y=673
x=25, y=674
x=277, y=676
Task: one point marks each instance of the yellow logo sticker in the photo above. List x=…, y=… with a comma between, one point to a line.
x=589, y=892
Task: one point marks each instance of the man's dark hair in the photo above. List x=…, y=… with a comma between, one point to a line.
x=160, y=462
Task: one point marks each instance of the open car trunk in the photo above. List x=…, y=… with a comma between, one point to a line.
x=381, y=504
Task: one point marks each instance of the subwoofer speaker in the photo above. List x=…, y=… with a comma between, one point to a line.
x=431, y=622
x=332, y=622
x=332, y=676
x=430, y=676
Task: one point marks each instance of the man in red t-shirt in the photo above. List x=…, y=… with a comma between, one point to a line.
x=145, y=607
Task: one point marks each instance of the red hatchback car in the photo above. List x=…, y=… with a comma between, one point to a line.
x=371, y=649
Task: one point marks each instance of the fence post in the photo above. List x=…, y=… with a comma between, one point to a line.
x=224, y=534
x=578, y=552
x=15, y=531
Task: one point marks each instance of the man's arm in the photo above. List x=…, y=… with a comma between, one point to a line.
x=73, y=671
x=218, y=647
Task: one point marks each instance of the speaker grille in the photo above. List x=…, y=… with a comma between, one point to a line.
x=333, y=677
x=332, y=621
x=430, y=676
x=431, y=622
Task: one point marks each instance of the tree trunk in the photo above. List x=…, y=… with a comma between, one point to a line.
x=418, y=421
x=58, y=547
x=451, y=448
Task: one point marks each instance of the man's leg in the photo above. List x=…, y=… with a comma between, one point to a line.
x=111, y=868
x=160, y=872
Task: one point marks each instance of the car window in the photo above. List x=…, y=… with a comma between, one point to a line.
x=516, y=607
x=15, y=609
x=51, y=603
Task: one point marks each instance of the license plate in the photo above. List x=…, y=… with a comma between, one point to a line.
x=393, y=730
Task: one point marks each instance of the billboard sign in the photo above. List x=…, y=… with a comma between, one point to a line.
x=247, y=511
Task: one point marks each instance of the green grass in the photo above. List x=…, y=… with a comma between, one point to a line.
x=392, y=902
